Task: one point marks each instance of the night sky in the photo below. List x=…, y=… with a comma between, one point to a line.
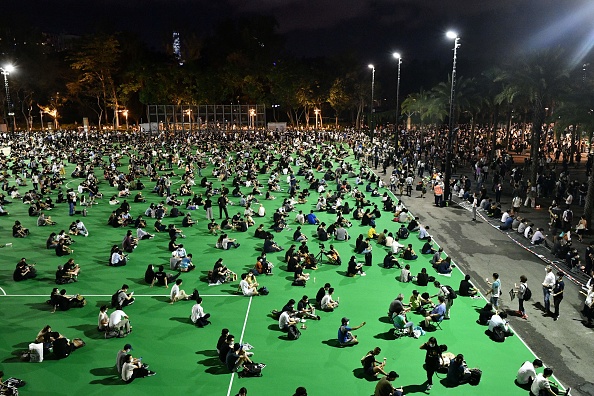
x=374, y=29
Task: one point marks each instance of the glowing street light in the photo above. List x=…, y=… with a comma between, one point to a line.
x=125, y=113
x=371, y=124
x=396, y=55
x=6, y=70
x=448, y=171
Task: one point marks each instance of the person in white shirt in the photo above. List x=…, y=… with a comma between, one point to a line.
x=423, y=234
x=118, y=259
x=527, y=372
x=198, y=317
x=389, y=240
x=177, y=294
x=541, y=385
x=285, y=320
x=505, y=216
x=142, y=234
x=327, y=303
x=133, y=368
x=180, y=252
x=246, y=288
x=102, y=319
x=119, y=321
x=547, y=287
x=538, y=237
x=300, y=218
x=261, y=211
x=82, y=230
x=499, y=320
x=396, y=246
x=341, y=234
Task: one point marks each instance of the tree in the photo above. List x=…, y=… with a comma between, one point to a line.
x=97, y=64
x=542, y=78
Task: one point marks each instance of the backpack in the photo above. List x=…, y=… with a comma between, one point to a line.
x=114, y=299
x=293, y=333
x=403, y=233
x=475, y=376
x=263, y=291
x=451, y=293
x=527, y=294
x=251, y=370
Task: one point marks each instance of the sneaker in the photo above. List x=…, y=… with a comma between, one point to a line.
x=151, y=373
x=525, y=317
x=519, y=313
x=363, y=274
x=429, y=387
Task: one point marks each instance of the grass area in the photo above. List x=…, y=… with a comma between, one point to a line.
x=184, y=356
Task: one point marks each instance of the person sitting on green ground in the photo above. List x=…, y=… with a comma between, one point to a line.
x=409, y=253
x=385, y=388
x=458, y=371
x=428, y=247
x=445, y=266
x=418, y=301
x=372, y=367
x=345, y=337
x=499, y=326
x=466, y=288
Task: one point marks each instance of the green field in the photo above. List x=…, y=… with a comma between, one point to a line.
x=184, y=356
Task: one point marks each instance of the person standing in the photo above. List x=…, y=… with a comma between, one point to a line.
x=547, y=287
x=208, y=208
x=558, y=294
x=474, y=205
x=438, y=193
x=521, y=291
x=495, y=291
x=432, y=356
x=222, y=202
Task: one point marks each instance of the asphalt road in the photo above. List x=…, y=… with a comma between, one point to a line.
x=479, y=250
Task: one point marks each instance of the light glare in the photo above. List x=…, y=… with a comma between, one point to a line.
x=451, y=34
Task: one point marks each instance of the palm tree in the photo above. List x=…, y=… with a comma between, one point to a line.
x=541, y=78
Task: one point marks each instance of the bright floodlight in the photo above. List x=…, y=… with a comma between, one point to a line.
x=396, y=55
x=370, y=66
x=8, y=68
x=452, y=35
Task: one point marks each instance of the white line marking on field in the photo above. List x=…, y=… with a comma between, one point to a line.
x=247, y=313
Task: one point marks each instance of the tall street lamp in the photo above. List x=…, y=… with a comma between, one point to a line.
x=448, y=170
x=396, y=55
x=6, y=70
x=371, y=118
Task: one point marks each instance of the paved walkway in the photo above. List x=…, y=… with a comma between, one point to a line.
x=479, y=249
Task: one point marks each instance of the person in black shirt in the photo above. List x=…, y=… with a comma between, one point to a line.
x=371, y=366
x=423, y=277
x=163, y=279
x=558, y=294
x=432, y=356
x=466, y=288
x=305, y=310
x=222, y=202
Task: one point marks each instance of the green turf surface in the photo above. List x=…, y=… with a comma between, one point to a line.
x=184, y=356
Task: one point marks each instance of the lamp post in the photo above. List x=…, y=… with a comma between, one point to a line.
x=371, y=118
x=189, y=113
x=253, y=118
x=448, y=170
x=317, y=113
x=6, y=70
x=396, y=55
